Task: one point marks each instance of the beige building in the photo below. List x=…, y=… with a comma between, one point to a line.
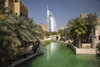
x=62, y=27
x=17, y=7
x=98, y=31
x=83, y=15
x=44, y=27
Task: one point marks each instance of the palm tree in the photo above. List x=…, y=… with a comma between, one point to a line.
x=77, y=29
x=15, y=31
x=80, y=29
x=92, y=22
x=8, y=41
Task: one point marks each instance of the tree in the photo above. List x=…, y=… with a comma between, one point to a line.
x=80, y=29
x=92, y=22
x=47, y=33
x=8, y=42
x=61, y=32
x=15, y=31
x=77, y=29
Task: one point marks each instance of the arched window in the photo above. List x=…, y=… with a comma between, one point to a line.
x=99, y=37
x=16, y=13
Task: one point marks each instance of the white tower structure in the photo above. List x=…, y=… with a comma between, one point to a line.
x=51, y=23
x=48, y=22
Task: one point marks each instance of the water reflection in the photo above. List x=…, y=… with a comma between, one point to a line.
x=51, y=49
x=56, y=55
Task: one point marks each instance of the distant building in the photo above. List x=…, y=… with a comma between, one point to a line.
x=51, y=22
x=17, y=7
x=44, y=27
x=62, y=27
x=97, y=32
x=83, y=15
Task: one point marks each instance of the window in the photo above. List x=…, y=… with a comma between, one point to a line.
x=99, y=37
x=16, y=13
x=21, y=14
x=16, y=0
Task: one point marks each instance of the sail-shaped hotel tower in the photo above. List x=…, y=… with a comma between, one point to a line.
x=51, y=22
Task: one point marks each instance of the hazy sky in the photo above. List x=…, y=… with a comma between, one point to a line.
x=63, y=10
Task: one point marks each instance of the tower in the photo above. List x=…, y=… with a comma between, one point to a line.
x=48, y=23
x=51, y=22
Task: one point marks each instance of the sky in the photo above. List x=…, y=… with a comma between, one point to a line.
x=63, y=10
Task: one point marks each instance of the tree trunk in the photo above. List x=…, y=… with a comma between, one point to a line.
x=92, y=43
x=80, y=44
x=74, y=41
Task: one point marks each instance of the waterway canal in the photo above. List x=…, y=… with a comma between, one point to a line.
x=60, y=55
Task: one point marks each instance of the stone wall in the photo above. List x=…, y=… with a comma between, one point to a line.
x=17, y=8
x=86, y=45
x=85, y=51
x=82, y=50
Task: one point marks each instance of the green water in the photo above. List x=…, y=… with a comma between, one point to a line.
x=60, y=55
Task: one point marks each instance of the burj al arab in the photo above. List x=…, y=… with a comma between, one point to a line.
x=51, y=22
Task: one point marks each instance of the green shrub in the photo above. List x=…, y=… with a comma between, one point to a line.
x=98, y=46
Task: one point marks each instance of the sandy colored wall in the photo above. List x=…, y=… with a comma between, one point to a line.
x=17, y=8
